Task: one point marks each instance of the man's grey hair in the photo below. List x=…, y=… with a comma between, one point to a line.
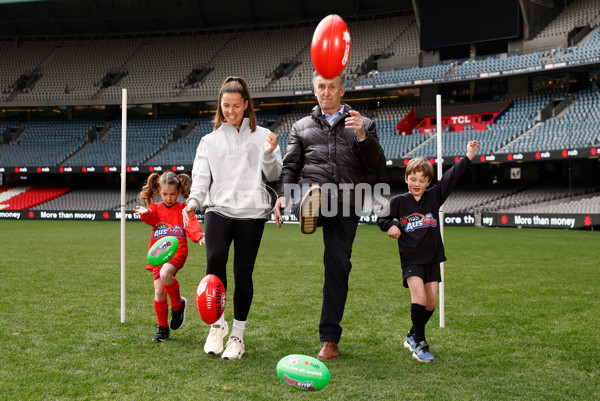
x=342, y=77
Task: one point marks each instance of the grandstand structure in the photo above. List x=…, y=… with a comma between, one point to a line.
x=534, y=106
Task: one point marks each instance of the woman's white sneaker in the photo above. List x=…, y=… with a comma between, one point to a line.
x=234, y=348
x=214, y=341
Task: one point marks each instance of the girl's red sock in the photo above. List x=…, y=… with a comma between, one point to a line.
x=162, y=312
x=173, y=291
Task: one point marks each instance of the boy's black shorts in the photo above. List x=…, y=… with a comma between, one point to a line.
x=428, y=273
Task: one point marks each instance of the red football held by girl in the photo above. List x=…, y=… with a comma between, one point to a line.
x=330, y=46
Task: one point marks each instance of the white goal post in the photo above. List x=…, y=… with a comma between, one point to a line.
x=123, y=201
x=440, y=129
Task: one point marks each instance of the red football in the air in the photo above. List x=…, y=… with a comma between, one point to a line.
x=210, y=299
x=330, y=46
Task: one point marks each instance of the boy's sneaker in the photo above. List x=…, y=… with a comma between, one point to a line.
x=309, y=210
x=178, y=317
x=409, y=342
x=234, y=349
x=162, y=334
x=214, y=341
x=422, y=352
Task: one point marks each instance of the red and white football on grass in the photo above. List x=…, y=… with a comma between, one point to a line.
x=210, y=298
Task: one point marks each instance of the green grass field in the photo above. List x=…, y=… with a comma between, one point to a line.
x=521, y=319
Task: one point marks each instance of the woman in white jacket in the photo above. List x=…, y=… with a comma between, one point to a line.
x=231, y=167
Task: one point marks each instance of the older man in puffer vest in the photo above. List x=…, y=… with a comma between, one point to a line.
x=334, y=147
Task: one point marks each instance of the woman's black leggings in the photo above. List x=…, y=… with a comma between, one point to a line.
x=246, y=235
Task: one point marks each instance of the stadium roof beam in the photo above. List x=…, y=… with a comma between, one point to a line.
x=417, y=14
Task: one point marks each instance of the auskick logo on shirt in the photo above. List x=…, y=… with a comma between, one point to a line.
x=417, y=220
x=162, y=230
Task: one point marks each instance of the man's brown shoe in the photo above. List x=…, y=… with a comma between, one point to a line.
x=309, y=210
x=329, y=352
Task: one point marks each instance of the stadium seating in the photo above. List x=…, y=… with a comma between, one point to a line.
x=25, y=197
x=590, y=48
x=91, y=199
x=184, y=150
x=579, y=13
x=408, y=43
x=7, y=123
x=574, y=129
x=464, y=200
x=47, y=142
x=524, y=198
x=8, y=192
x=495, y=63
x=390, y=77
x=145, y=137
x=154, y=68
x=18, y=60
x=161, y=67
x=584, y=205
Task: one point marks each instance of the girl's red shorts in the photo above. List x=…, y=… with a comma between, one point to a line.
x=178, y=261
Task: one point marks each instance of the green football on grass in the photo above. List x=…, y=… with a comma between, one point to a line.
x=303, y=372
x=163, y=250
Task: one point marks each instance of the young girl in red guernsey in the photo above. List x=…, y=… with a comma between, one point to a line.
x=166, y=219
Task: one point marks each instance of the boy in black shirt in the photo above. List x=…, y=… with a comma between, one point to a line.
x=413, y=220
